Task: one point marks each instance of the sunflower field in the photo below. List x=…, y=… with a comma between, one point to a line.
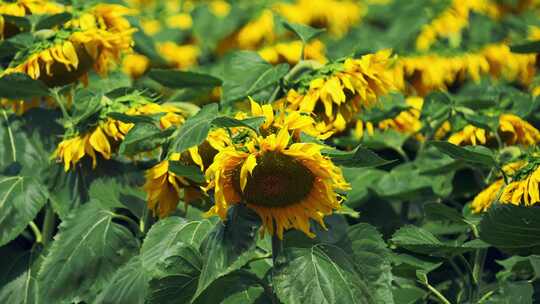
x=258, y=151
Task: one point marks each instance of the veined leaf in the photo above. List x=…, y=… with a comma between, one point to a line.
x=193, y=173
x=196, y=128
x=471, y=154
x=21, y=198
x=320, y=274
x=85, y=253
x=360, y=157
x=252, y=123
x=304, y=32
x=144, y=137
x=248, y=74
x=21, y=86
x=183, y=79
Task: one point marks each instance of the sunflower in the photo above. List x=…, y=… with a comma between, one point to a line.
x=23, y=8
x=108, y=133
x=286, y=185
x=512, y=130
x=483, y=200
x=252, y=35
x=163, y=187
x=73, y=149
x=336, y=16
x=109, y=17
x=179, y=56
x=429, y=72
x=290, y=52
x=172, y=116
x=338, y=97
x=71, y=58
x=452, y=21
x=509, y=66
x=135, y=65
x=524, y=187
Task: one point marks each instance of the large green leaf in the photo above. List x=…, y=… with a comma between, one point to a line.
x=21, y=86
x=183, y=79
x=196, y=128
x=304, y=32
x=85, y=253
x=320, y=274
x=143, y=137
x=228, y=248
x=371, y=257
x=471, y=154
x=422, y=241
x=176, y=275
x=24, y=288
x=168, y=232
x=512, y=227
x=167, y=268
x=358, y=158
x=129, y=284
x=21, y=198
x=248, y=74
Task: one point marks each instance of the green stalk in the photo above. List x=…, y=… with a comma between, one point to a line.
x=35, y=230
x=48, y=224
x=11, y=138
x=438, y=294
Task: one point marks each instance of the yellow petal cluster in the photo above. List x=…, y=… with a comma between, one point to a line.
x=72, y=150
x=319, y=202
x=483, y=200
x=94, y=48
x=343, y=94
x=452, y=21
x=179, y=56
x=172, y=116
x=163, y=188
x=290, y=52
x=421, y=74
x=524, y=191
x=336, y=16
x=135, y=65
x=22, y=8
x=512, y=129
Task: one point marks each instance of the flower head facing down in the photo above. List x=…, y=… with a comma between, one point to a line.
x=286, y=185
x=338, y=97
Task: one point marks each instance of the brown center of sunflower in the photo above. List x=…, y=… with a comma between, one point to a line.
x=277, y=181
x=60, y=75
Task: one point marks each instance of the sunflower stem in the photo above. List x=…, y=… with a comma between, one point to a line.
x=277, y=247
x=10, y=134
x=48, y=224
x=37, y=233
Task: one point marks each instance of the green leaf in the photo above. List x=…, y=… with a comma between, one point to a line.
x=194, y=131
x=439, y=211
x=228, y=248
x=112, y=193
x=21, y=198
x=145, y=45
x=175, y=278
x=512, y=227
x=358, y=158
x=183, y=79
x=86, y=251
x=513, y=292
x=129, y=284
x=252, y=123
x=471, y=154
x=21, y=86
x=25, y=288
x=362, y=181
x=239, y=286
x=321, y=274
x=144, y=137
x=50, y=21
x=408, y=294
x=247, y=74
x=170, y=231
x=306, y=33
x=131, y=118
x=527, y=47
x=422, y=241
x=193, y=173
x=371, y=257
